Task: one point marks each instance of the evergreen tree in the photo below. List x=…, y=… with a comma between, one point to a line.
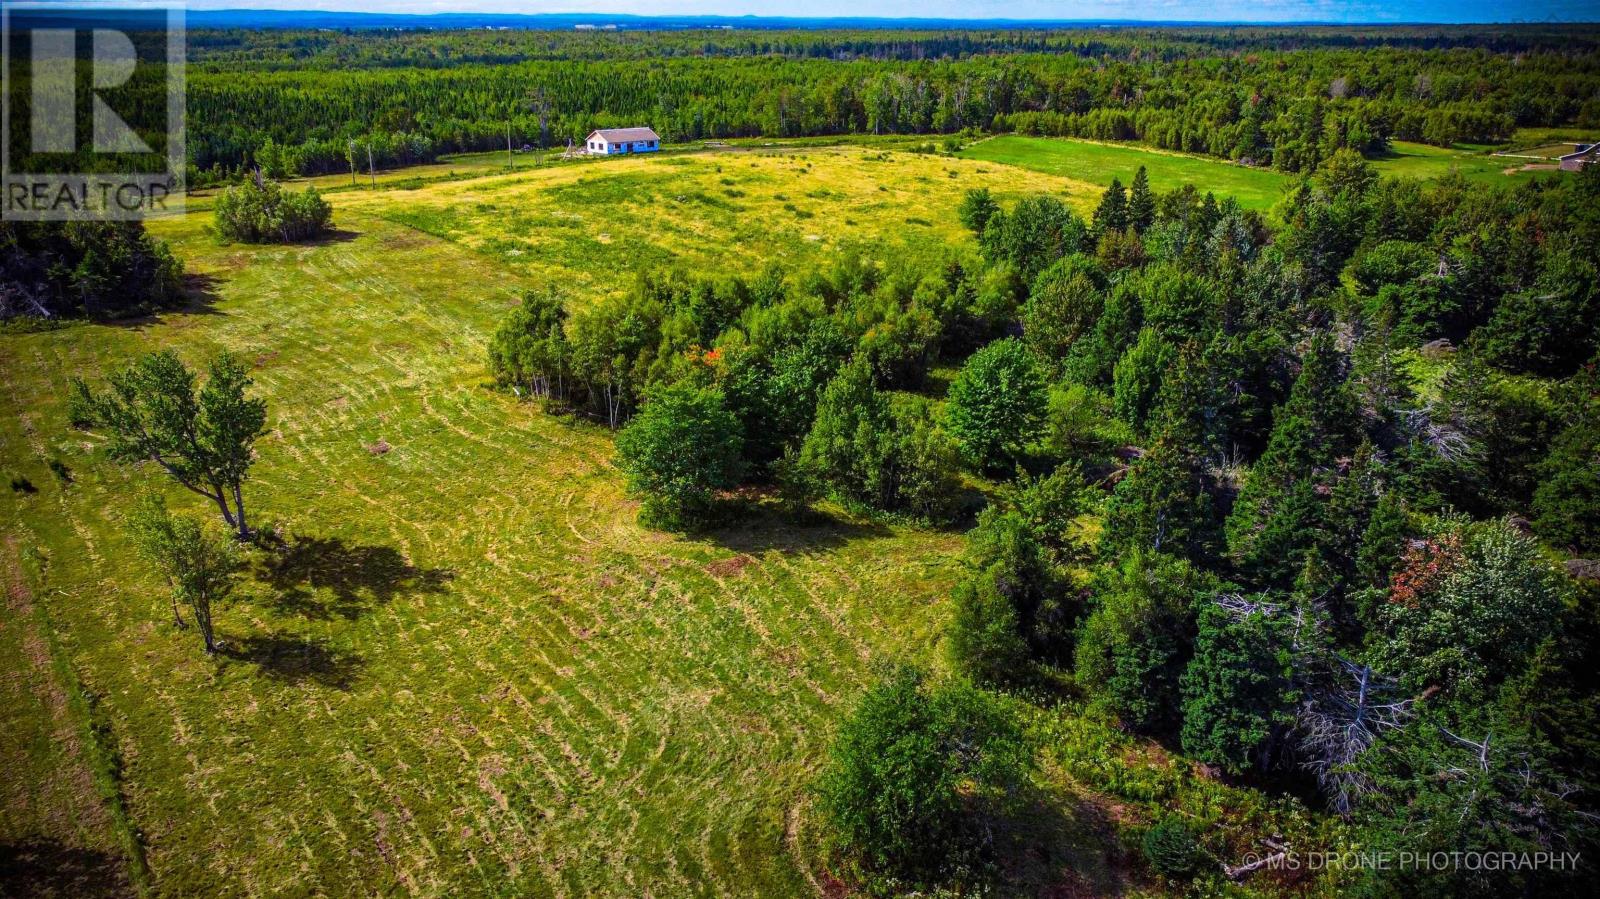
x=1277, y=517
x=1141, y=202
x=917, y=776
x=1164, y=504
x=1112, y=213
x=1236, y=690
x=1137, y=379
x=976, y=208
x=1566, y=504
x=1063, y=305
x=1133, y=647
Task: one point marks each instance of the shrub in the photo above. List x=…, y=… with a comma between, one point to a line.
x=263, y=212
x=678, y=451
x=1171, y=849
x=916, y=776
x=985, y=639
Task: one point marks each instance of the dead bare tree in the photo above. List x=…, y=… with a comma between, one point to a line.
x=1347, y=706
x=18, y=299
x=1449, y=439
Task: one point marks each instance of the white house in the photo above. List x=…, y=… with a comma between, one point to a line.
x=1586, y=156
x=610, y=141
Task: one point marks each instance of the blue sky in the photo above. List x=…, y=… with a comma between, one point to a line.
x=1164, y=10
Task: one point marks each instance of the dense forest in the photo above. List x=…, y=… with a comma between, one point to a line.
x=1292, y=498
x=1281, y=97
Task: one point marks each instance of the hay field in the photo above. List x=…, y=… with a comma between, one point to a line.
x=470, y=670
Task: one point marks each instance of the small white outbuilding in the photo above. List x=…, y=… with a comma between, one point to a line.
x=611, y=141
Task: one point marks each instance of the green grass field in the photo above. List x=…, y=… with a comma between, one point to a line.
x=1474, y=163
x=1097, y=163
x=469, y=670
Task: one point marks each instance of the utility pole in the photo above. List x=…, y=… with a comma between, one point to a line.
x=372, y=169
x=350, y=157
x=511, y=161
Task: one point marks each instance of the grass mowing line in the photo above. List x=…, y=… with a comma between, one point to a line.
x=85, y=738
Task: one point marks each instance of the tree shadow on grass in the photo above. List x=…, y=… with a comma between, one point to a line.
x=199, y=298
x=296, y=660
x=760, y=527
x=327, y=577
x=331, y=236
x=42, y=867
x=1047, y=848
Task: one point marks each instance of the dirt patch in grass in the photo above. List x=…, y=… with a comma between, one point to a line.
x=730, y=566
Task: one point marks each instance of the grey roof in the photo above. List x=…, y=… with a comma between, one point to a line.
x=622, y=135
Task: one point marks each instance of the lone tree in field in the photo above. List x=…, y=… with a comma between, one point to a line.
x=204, y=439
x=199, y=566
x=683, y=447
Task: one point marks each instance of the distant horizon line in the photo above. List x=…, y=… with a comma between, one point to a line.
x=260, y=16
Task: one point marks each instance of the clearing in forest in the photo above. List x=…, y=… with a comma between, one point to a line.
x=469, y=669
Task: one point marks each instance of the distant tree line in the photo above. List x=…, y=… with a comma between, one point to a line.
x=1287, y=98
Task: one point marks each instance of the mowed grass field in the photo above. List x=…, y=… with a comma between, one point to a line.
x=1097, y=163
x=1474, y=163
x=1254, y=188
x=469, y=671
x=588, y=225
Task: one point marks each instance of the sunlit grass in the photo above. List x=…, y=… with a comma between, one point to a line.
x=1098, y=163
